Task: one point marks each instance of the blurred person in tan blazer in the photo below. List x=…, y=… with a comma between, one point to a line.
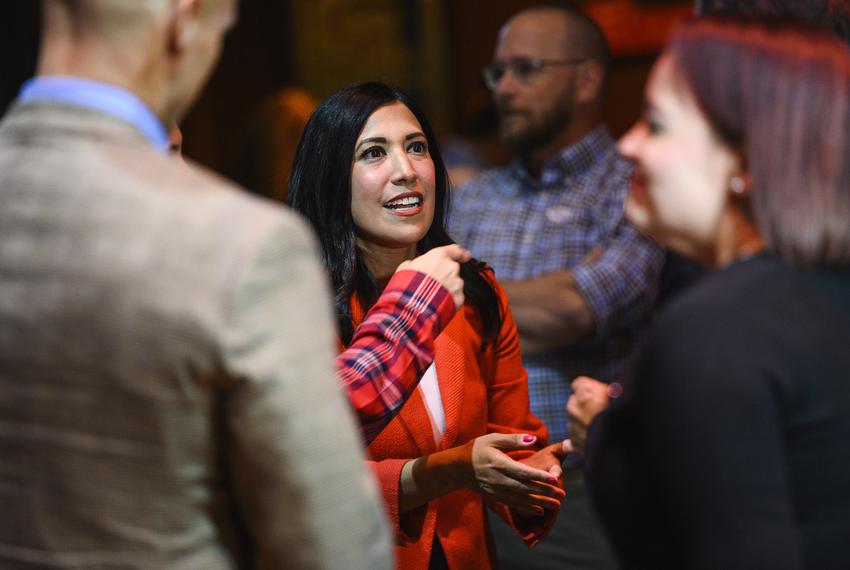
x=167, y=391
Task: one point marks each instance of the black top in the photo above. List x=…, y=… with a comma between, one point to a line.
x=730, y=447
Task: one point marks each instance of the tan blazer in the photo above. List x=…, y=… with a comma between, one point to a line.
x=167, y=395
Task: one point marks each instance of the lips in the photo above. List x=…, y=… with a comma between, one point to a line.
x=407, y=204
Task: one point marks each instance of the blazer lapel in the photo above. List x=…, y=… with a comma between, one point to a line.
x=414, y=420
x=450, y=362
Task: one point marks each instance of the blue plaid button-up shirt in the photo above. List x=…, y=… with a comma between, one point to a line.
x=523, y=228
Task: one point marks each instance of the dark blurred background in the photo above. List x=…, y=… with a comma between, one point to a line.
x=433, y=48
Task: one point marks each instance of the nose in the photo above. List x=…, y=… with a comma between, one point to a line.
x=630, y=143
x=403, y=171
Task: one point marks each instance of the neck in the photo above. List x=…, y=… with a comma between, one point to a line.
x=64, y=51
x=383, y=261
x=738, y=238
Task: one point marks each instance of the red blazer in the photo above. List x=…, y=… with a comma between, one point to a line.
x=481, y=393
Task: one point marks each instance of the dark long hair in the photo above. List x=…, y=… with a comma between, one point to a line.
x=779, y=92
x=320, y=189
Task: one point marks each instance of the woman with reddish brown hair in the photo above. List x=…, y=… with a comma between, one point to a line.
x=730, y=444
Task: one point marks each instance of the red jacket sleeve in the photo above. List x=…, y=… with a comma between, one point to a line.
x=393, y=347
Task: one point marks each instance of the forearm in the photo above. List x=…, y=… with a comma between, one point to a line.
x=549, y=312
x=432, y=476
x=482, y=466
x=393, y=347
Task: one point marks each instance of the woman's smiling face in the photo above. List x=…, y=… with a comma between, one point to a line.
x=392, y=181
x=680, y=186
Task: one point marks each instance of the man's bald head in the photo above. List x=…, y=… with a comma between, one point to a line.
x=580, y=35
x=99, y=19
x=162, y=50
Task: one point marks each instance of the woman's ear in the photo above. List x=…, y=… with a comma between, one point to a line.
x=183, y=25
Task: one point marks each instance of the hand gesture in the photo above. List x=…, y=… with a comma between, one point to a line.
x=589, y=397
x=549, y=458
x=442, y=264
x=524, y=488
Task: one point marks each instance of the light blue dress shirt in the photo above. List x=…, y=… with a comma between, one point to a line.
x=104, y=97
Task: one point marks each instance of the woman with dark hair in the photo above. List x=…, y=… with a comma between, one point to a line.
x=369, y=176
x=730, y=444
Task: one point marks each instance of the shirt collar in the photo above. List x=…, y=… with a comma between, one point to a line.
x=571, y=161
x=104, y=97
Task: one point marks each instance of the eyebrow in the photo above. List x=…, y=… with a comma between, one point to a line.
x=383, y=140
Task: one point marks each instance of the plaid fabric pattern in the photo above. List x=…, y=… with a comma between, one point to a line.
x=393, y=347
x=523, y=227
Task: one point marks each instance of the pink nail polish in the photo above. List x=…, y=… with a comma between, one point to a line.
x=528, y=438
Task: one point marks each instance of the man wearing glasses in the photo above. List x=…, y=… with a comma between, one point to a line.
x=579, y=278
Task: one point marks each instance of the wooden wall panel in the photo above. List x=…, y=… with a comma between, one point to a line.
x=434, y=48
x=636, y=29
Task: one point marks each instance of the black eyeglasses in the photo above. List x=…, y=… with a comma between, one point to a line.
x=523, y=69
